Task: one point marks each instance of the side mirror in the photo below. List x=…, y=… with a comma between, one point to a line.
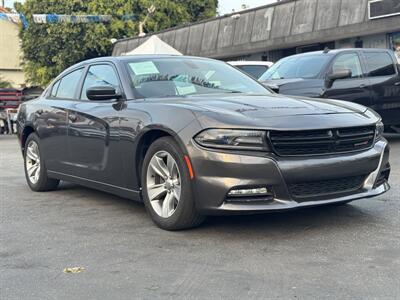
x=102, y=93
x=341, y=74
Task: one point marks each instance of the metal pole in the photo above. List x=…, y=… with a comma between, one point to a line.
x=2, y=3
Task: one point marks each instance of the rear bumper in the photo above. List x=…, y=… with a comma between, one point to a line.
x=216, y=173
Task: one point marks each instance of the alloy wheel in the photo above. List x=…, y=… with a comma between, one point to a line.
x=32, y=162
x=163, y=184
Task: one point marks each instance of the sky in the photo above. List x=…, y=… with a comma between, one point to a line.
x=8, y=3
x=225, y=6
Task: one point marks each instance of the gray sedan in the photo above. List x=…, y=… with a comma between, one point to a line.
x=192, y=137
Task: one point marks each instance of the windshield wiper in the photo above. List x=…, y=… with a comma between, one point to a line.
x=229, y=91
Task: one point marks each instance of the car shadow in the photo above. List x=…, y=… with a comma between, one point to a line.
x=289, y=223
x=295, y=220
x=99, y=197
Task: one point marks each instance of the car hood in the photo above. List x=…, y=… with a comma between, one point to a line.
x=265, y=106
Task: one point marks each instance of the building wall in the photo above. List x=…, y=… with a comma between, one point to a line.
x=369, y=41
x=283, y=25
x=10, y=54
x=15, y=77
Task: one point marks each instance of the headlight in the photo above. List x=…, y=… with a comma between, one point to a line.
x=379, y=131
x=233, y=139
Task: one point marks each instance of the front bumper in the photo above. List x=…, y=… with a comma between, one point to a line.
x=217, y=172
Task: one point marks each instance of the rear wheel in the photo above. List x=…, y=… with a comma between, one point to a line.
x=166, y=187
x=35, y=169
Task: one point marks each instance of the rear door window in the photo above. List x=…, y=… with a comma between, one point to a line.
x=379, y=64
x=348, y=61
x=68, y=85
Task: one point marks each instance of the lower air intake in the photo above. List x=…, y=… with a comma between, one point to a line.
x=312, y=189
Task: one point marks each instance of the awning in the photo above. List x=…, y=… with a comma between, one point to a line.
x=154, y=45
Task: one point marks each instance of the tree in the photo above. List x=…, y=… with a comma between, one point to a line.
x=200, y=9
x=50, y=48
x=4, y=83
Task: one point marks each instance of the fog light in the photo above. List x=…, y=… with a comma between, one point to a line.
x=249, y=192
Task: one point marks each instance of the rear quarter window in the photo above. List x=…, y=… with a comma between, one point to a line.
x=54, y=89
x=379, y=64
x=68, y=85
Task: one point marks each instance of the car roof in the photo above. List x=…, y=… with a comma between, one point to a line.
x=127, y=58
x=140, y=56
x=130, y=57
x=336, y=51
x=250, y=63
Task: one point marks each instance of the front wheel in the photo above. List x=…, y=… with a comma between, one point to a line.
x=35, y=169
x=166, y=186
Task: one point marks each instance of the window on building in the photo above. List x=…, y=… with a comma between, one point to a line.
x=395, y=44
x=69, y=83
x=99, y=75
x=379, y=64
x=358, y=43
x=348, y=61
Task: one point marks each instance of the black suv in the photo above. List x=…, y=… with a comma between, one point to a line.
x=366, y=76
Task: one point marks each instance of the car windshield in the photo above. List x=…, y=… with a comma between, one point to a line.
x=308, y=66
x=171, y=77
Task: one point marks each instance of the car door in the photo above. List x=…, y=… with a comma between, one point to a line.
x=93, y=129
x=384, y=84
x=52, y=120
x=355, y=88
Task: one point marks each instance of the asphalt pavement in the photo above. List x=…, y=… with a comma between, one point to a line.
x=345, y=252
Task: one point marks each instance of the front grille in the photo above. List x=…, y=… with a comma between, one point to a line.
x=326, y=187
x=325, y=141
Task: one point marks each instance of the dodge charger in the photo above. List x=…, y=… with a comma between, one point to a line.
x=192, y=137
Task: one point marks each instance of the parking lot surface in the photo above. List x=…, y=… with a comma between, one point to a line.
x=335, y=252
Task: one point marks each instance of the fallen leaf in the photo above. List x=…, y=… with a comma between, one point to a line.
x=74, y=270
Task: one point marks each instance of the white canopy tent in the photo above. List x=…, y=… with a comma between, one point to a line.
x=154, y=45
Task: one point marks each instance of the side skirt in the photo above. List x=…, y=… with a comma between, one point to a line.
x=105, y=187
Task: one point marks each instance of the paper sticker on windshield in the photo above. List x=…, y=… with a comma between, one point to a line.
x=185, y=90
x=216, y=83
x=144, y=68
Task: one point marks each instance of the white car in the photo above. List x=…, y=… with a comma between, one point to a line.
x=253, y=68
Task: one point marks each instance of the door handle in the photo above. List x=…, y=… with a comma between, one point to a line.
x=72, y=117
x=362, y=86
x=397, y=83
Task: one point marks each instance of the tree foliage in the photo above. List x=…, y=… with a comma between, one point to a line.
x=50, y=48
x=4, y=83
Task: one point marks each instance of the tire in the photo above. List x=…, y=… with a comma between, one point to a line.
x=37, y=180
x=181, y=212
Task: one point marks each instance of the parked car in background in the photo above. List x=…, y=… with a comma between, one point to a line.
x=253, y=68
x=192, y=136
x=365, y=76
